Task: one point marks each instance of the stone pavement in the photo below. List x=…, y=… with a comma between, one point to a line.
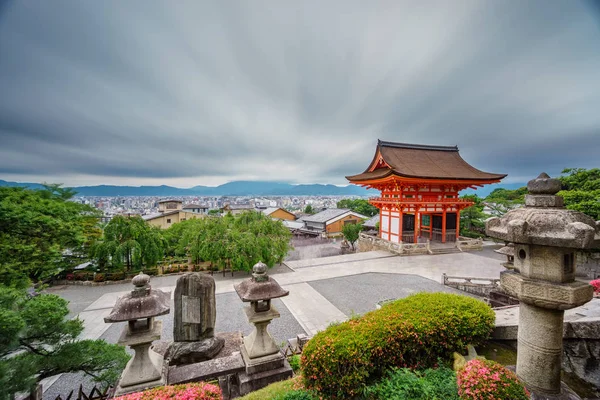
x=309, y=307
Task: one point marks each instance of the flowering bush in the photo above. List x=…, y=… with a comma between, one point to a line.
x=485, y=379
x=188, y=391
x=596, y=284
x=410, y=333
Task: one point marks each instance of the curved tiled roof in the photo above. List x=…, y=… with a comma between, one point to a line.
x=422, y=161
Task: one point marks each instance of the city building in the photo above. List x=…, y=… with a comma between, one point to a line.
x=170, y=212
x=279, y=213
x=331, y=221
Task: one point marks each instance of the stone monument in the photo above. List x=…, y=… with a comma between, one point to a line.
x=194, y=337
x=545, y=237
x=264, y=362
x=138, y=309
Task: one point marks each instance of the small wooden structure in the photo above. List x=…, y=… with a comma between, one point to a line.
x=419, y=187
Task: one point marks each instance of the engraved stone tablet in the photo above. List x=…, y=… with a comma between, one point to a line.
x=190, y=310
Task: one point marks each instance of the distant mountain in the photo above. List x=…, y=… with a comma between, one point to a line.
x=238, y=188
x=244, y=188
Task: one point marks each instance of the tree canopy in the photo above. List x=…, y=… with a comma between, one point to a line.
x=233, y=242
x=130, y=242
x=36, y=341
x=351, y=233
x=360, y=206
x=37, y=228
x=581, y=190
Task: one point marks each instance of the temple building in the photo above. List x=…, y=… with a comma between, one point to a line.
x=419, y=187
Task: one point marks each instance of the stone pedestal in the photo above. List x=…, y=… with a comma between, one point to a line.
x=540, y=348
x=260, y=342
x=143, y=371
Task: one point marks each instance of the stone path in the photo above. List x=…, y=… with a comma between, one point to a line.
x=312, y=311
x=310, y=308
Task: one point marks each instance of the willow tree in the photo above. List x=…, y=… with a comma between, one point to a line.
x=130, y=242
x=235, y=242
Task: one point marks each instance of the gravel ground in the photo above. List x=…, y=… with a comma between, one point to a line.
x=359, y=294
x=230, y=318
x=80, y=297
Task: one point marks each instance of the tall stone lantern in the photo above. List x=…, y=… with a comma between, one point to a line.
x=262, y=357
x=138, y=309
x=545, y=237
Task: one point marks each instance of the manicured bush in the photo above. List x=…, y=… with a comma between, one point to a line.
x=296, y=395
x=295, y=362
x=99, y=278
x=403, y=383
x=414, y=332
x=151, y=272
x=487, y=380
x=274, y=390
x=188, y=391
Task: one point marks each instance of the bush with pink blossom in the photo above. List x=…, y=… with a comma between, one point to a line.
x=488, y=380
x=188, y=391
x=596, y=284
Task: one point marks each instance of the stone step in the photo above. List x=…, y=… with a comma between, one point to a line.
x=445, y=250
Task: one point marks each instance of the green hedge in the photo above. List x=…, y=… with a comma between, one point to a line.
x=414, y=332
x=403, y=383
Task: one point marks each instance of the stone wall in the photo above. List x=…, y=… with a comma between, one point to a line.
x=588, y=264
x=477, y=286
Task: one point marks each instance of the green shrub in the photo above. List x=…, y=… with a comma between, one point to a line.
x=99, y=278
x=430, y=384
x=413, y=332
x=486, y=379
x=296, y=395
x=295, y=362
x=151, y=272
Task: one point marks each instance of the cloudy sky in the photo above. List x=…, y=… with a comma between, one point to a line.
x=205, y=92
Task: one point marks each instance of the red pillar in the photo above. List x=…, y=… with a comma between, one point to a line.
x=380, y=217
x=417, y=222
x=400, y=223
x=444, y=226
x=457, y=222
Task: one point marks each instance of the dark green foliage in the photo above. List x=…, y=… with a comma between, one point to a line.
x=296, y=395
x=351, y=233
x=231, y=242
x=129, y=242
x=36, y=226
x=414, y=332
x=472, y=219
x=403, y=383
x=295, y=362
x=501, y=200
x=309, y=209
x=36, y=341
x=360, y=206
x=581, y=190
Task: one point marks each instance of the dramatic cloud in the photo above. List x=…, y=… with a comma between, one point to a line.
x=202, y=93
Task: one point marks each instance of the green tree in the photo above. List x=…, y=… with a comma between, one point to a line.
x=309, y=209
x=581, y=190
x=130, y=242
x=351, y=233
x=234, y=242
x=36, y=342
x=214, y=213
x=360, y=206
x=501, y=200
x=36, y=229
x=472, y=219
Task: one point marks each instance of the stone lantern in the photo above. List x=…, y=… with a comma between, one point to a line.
x=545, y=237
x=262, y=357
x=138, y=309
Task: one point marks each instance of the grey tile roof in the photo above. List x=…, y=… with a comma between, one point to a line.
x=370, y=223
x=156, y=215
x=325, y=215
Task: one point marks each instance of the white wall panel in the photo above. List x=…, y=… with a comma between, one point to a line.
x=395, y=225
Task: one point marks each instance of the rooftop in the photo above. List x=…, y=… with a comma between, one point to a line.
x=421, y=161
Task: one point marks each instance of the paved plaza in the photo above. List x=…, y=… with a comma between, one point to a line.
x=322, y=291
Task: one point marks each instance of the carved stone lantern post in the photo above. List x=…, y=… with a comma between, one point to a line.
x=138, y=309
x=262, y=357
x=545, y=237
